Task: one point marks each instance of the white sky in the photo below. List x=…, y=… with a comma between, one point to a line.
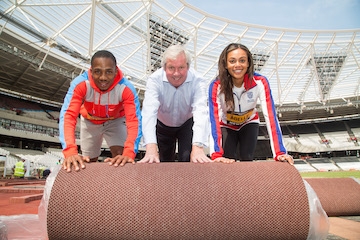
x=295, y=14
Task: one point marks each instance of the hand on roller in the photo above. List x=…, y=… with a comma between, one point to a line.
x=198, y=156
x=119, y=160
x=151, y=155
x=286, y=158
x=224, y=160
x=75, y=160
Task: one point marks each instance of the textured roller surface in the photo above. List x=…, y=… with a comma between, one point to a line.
x=247, y=200
x=338, y=196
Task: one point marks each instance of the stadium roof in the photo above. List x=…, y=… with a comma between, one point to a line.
x=45, y=44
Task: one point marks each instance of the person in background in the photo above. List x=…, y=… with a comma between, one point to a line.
x=109, y=109
x=175, y=111
x=45, y=173
x=234, y=119
x=20, y=169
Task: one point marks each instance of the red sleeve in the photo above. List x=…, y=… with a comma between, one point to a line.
x=214, y=120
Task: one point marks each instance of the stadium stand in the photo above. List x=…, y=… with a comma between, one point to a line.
x=323, y=164
x=303, y=166
x=35, y=161
x=347, y=163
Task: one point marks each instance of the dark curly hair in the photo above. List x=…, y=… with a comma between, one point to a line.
x=103, y=54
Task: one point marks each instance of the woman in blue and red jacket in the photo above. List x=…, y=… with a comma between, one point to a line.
x=233, y=97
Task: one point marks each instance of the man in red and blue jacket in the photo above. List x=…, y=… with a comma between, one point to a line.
x=109, y=109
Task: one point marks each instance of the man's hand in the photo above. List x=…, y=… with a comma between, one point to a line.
x=119, y=160
x=75, y=160
x=224, y=160
x=198, y=156
x=151, y=155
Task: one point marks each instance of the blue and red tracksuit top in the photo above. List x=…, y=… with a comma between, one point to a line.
x=85, y=98
x=254, y=89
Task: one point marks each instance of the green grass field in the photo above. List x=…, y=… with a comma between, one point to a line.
x=332, y=174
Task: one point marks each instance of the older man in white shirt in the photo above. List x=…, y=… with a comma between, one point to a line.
x=175, y=111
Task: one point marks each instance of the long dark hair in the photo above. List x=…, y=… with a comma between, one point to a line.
x=226, y=83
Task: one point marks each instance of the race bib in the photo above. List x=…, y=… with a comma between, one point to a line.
x=238, y=118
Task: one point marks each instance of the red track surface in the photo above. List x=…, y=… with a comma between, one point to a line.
x=7, y=208
x=10, y=188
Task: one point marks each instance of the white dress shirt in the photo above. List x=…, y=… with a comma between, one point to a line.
x=174, y=106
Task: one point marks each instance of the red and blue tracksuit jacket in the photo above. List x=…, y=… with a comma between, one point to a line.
x=256, y=88
x=85, y=98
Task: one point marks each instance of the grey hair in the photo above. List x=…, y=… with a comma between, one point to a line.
x=173, y=52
